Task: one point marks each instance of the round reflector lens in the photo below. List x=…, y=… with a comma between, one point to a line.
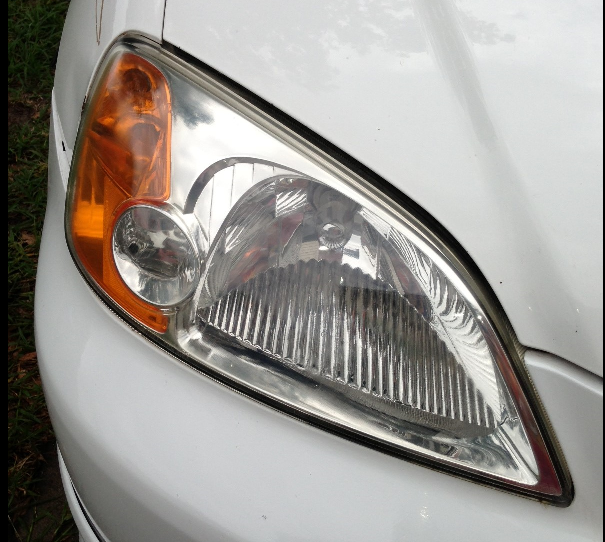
x=155, y=257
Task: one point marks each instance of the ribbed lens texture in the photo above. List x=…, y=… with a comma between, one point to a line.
x=311, y=278
x=350, y=315
x=337, y=323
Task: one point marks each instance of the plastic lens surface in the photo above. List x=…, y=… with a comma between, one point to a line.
x=123, y=154
x=371, y=318
x=154, y=256
x=288, y=277
x=306, y=275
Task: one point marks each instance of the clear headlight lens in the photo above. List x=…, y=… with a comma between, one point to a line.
x=257, y=258
x=157, y=259
x=323, y=285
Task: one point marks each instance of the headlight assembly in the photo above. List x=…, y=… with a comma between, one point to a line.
x=250, y=254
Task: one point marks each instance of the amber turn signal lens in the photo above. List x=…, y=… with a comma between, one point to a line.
x=123, y=156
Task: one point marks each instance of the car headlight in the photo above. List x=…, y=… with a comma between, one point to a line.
x=249, y=253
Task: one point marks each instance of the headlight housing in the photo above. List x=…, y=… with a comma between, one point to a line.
x=235, y=244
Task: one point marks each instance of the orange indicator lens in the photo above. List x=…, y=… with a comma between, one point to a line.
x=124, y=156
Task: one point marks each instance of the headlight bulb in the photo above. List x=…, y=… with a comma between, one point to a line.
x=156, y=259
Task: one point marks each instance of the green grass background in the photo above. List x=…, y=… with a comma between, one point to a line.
x=37, y=509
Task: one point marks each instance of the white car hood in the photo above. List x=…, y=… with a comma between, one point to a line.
x=487, y=115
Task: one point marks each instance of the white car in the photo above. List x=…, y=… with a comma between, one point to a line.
x=326, y=270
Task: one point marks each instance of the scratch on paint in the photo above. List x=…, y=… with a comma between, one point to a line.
x=99, y=19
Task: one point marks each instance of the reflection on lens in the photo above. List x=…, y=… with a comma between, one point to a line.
x=154, y=256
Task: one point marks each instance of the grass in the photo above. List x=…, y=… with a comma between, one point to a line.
x=37, y=511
